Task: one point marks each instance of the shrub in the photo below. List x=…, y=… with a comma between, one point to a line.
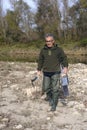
x=83, y=43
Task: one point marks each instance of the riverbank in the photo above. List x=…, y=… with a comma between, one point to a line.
x=21, y=106
x=77, y=56
x=26, y=53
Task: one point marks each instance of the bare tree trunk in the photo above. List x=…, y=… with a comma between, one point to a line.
x=13, y=3
x=1, y=17
x=2, y=21
x=59, y=19
x=65, y=19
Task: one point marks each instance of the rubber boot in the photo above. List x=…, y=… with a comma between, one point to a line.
x=55, y=101
x=49, y=98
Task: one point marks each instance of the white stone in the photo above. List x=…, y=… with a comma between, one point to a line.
x=48, y=118
x=2, y=126
x=76, y=113
x=32, y=72
x=19, y=126
x=72, y=103
x=5, y=120
x=28, y=129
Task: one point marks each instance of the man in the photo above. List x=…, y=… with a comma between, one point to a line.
x=50, y=58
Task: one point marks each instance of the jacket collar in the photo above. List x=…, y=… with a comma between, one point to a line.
x=53, y=47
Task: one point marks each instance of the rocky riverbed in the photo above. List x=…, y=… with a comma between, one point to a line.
x=21, y=105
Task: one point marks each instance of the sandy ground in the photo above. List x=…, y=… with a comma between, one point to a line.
x=21, y=106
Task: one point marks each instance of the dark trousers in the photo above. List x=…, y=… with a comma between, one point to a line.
x=51, y=87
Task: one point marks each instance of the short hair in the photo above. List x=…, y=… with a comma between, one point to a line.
x=49, y=35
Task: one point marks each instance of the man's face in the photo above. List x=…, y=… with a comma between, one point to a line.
x=49, y=41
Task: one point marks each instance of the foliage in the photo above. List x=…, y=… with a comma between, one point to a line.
x=83, y=43
x=18, y=52
x=30, y=52
x=21, y=24
x=47, y=17
x=78, y=17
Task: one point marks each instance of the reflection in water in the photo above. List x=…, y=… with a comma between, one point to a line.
x=77, y=59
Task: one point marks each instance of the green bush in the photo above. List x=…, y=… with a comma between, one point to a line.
x=83, y=43
x=1, y=39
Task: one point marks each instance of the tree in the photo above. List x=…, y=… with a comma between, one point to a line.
x=13, y=30
x=78, y=17
x=20, y=21
x=82, y=21
x=73, y=17
x=26, y=18
x=65, y=20
x=1, y=18
x=47, y=17
x=2, y=23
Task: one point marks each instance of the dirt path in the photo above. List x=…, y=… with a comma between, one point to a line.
x=21, y=106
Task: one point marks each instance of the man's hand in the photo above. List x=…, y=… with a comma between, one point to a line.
x=65, y=70
x=38, y=73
